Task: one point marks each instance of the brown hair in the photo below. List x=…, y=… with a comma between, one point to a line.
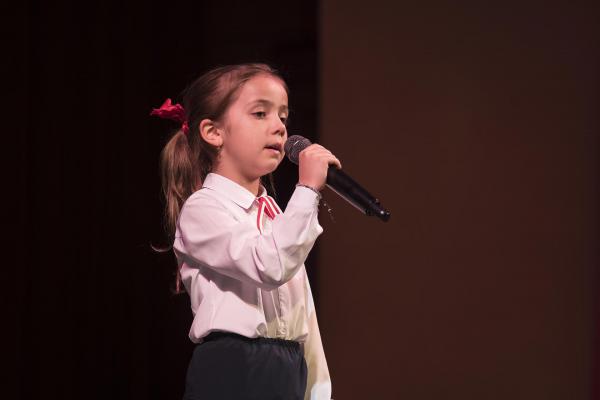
x=187, y=159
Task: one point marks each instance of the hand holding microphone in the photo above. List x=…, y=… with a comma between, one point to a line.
x=315, y=170
x=313, y=163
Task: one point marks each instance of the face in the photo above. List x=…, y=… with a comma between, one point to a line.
x=254, y=121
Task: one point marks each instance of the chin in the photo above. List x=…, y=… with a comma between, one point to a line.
x=271, y=167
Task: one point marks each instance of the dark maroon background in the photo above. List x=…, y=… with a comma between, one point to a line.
x=475, y=124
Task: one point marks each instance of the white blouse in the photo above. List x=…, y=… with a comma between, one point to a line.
x=242, y=259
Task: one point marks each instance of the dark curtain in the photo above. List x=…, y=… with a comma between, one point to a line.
x=94, y=315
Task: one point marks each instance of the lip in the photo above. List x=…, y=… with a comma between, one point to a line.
x=278, y=146
x=274, y=151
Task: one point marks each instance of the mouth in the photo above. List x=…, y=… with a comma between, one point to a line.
x=275, y=146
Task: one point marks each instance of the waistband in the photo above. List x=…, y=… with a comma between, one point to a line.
x=216, y=335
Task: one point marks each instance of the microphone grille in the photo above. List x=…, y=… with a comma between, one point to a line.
x=294, y=145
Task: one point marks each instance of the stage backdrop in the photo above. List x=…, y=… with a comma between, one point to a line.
x=93, y=315
x=476, y=125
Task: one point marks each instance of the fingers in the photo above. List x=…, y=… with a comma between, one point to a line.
x=316, y=150
x=333, y=160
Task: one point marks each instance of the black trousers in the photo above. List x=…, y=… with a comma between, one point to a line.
x=230, y=366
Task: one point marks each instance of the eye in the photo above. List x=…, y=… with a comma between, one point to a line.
x=260, y=114
x=284, y=119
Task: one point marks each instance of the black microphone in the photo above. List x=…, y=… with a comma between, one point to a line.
x=340, y=182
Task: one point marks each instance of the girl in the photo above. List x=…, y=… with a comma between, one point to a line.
x=240, y=257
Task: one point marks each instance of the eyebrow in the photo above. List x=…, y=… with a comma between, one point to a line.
x=269, y=103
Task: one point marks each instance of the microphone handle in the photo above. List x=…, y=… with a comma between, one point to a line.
x=353, y=193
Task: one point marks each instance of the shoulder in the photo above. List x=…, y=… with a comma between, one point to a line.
x=204, y=202
x=203, y=195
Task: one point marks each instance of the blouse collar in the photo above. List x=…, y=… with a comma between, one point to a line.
x=233, y=190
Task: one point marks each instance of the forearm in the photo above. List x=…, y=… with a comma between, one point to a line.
x=239, y=250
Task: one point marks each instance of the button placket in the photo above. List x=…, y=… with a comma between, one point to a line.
x=282, y=325
x=268, y=206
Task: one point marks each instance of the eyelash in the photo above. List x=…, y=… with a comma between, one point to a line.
x=264, y=114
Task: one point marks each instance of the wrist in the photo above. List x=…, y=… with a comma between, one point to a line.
x=314, y=189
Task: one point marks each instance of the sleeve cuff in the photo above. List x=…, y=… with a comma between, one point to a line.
x=304, y=197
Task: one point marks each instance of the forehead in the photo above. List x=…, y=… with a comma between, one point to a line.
x=263, y=87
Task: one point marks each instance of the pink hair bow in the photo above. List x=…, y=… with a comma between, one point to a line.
x=173, y=112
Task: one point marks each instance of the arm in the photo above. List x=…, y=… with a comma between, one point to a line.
x=318, y=385
x=210, y=235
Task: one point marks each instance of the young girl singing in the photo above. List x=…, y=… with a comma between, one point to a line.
x=240, y=257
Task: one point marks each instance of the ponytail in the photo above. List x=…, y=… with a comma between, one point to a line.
x=179, y=176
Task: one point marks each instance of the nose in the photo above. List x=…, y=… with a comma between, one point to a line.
x=279, y=128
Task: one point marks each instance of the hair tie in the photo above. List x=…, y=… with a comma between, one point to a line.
x=173, y=112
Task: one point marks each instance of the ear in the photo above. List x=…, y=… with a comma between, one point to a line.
x=210, y=132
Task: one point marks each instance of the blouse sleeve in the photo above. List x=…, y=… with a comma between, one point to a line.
x=212, y=236
x=318, y=385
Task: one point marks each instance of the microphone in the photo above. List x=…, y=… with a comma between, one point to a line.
x=338, y=181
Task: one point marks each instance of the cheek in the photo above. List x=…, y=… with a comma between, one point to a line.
x=247, y=146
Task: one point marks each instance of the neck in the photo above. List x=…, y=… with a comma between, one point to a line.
x=251, y=184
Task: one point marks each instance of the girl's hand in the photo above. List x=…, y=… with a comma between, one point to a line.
x=313, y=162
